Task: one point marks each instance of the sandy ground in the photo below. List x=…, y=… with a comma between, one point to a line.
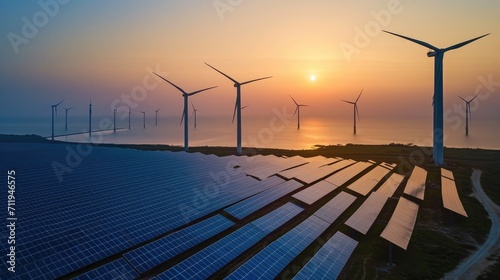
x=476, y=263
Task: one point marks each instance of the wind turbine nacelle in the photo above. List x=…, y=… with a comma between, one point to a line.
x=431, y=53
x=235, y=85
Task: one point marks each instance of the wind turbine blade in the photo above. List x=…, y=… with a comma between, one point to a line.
x=470, y=113
x=192, y=105
x=255, y=80
x=459, y=45
x=359, y=96
x=244, y=107
x=357, y=111
x=422, y=43
x=234, y=113
x=59, y=103
x=234, y=81
x=350, y=102
x=198, y=91
x=296, y=109
x=183, y=114
x=194, y=112
x=462, y=98
x=180, y=89
x=474, y=97
x=294, y=101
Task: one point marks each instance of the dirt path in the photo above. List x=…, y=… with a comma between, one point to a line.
x=472, y=267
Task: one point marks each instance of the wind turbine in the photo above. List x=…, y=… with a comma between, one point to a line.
x=468, y=112
x=356, y=112
x=114, y=120
x=54, y=109
x=185, y=112
x=144, y=118
x=438, y=55
x=237, y=107
x=90, y=118
x=156, y=116
x=66, y=118
x=297, y=110
x=129, y=114
x=194, y=113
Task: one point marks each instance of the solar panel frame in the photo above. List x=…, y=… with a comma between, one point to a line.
x=315, y=192
x=451, y=199
x=390, y=185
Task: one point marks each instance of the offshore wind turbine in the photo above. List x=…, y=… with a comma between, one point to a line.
x=237, y=107
x=194, y=113
x=468, y=113
x=234, y=113
x=356, y=112
x=156, y=116
x=66, y=118
x=438, y=55
x=54, y=109
x=129, y=114
x=297, y=110
x=144, y=118
x=114, y=120
x=90, y=118
x=185, y=112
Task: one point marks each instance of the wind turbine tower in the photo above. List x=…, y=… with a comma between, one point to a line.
x=66, y=118
x=144, y=118
x=185, y=112
x=90, y=118
x=438, y=54
x=237, y=107
x=156, y=116
x=356, y=112
x=114, y=120
x=297, y=111
x=194, y=113
x=468, y=113
x=54, y=110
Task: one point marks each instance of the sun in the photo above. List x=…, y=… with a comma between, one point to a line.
x=312, y=78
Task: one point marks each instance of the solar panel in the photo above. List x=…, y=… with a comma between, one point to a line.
x=348, y=173
x=254, y=203
x=272, y=166
x=314, y=171
x=118, y=269
x=159, y=251
x=278, y=217
x=451, y=200
x=207, y=261
x=390, y=185
x=112, y=200
x=335, y=207
x=400, y=227
x=416, y=183
x=271, y=260
x=366, y=214
x=368, y=181
x=315, y=192
x=447, y=173
x=329, y=261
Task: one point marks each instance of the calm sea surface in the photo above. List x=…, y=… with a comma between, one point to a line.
x=269, y=132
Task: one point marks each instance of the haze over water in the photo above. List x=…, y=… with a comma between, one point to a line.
x=266, y=132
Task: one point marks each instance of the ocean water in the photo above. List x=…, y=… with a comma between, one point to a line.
x=264, y=132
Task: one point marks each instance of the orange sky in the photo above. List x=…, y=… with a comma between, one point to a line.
x=102, y=50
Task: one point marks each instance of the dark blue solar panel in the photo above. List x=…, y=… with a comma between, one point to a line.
x=111, y=200
x=254, y=203
x=118, y=269
x=278, y=217
x=207, y=261
x=271, y=260
x=153, y=254
x=329, y=261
